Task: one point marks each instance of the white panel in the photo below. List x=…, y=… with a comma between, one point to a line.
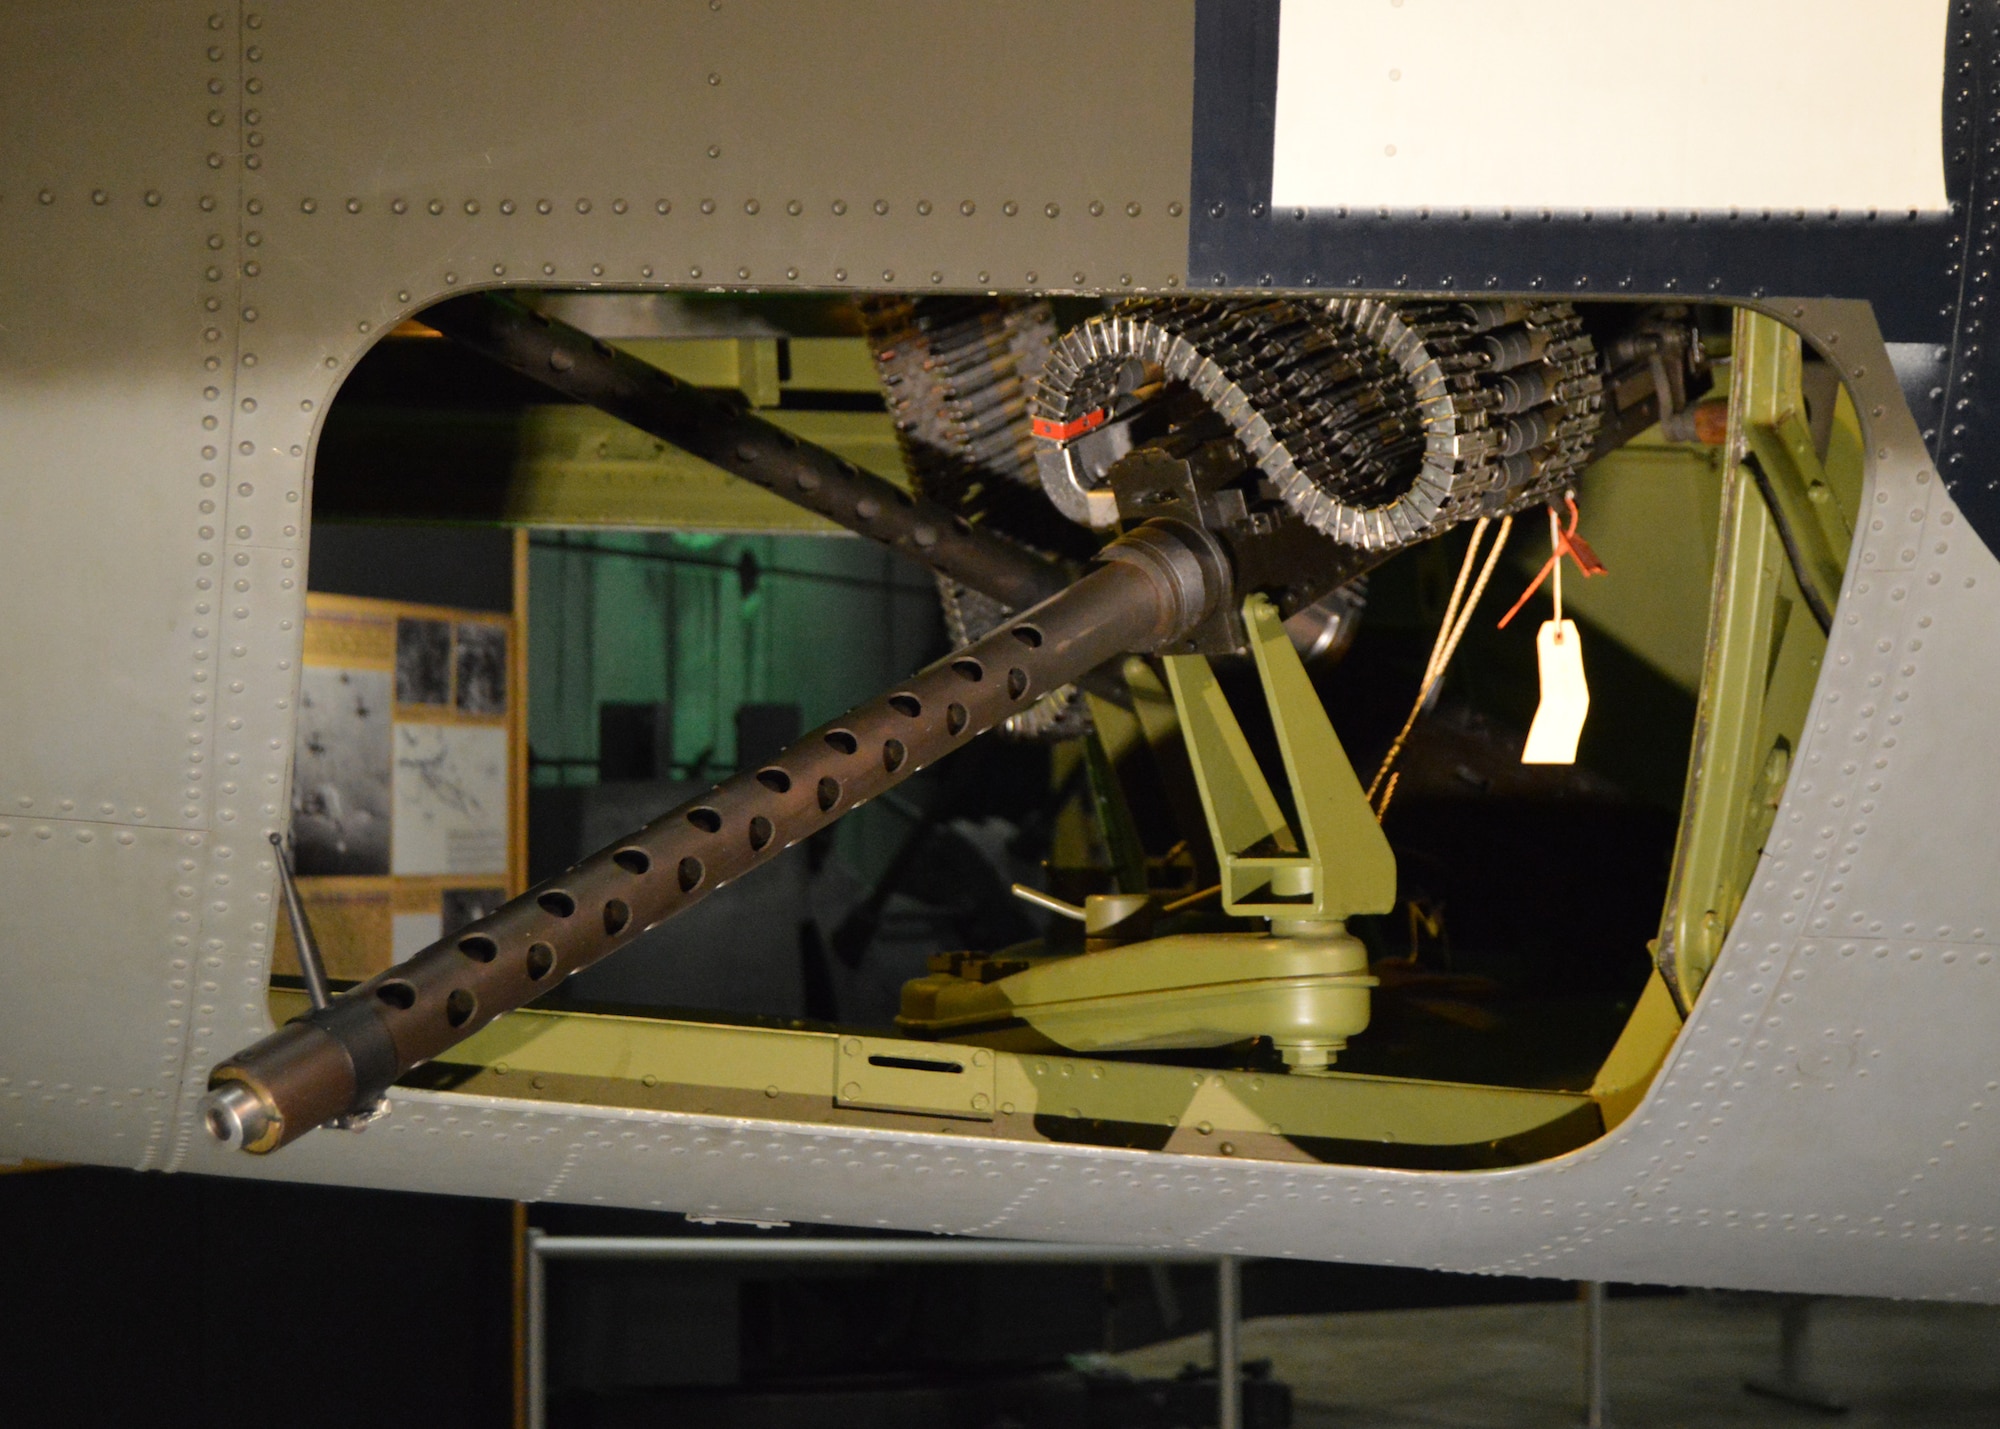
x=411, y=933
x=1580, y=104
x=450, y=799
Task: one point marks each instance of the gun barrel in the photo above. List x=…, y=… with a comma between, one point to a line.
x=1150, y=588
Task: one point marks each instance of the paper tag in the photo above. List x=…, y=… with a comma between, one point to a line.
x=1565, y=697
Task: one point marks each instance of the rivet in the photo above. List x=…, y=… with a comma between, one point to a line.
x=354, y=205
x=708, y=205
x=840, y=275
x=1131, y=210
x=99, y=196
x=664, y=206
x=542, y=205
x=791, y=273
x=583, y=205
x=1174, y=210
x=436, y=206
x=936, y=277
x=923, y=208
x=48, y=196
x=152, y=198
x=1096, y=209
x=839, y=207
x=881, y=206
x=714, y=78
x=646, y=272
x=618, y=205
x=308, y=206
x=694, y=272
x=1052, y=210
x=506, y=205
x=888, y=275
x=499, y=270
x=750, y=206
x=794, y=208
x=1010, y=208
x=548, y=270
x=714, y=151
x=398, y=206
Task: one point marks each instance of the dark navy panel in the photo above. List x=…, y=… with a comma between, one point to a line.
x=1910, y=269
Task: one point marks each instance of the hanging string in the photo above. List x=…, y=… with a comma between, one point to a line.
x=1556, y=578
x=1457, y=617
x=1388, y=793
x=1567, y=543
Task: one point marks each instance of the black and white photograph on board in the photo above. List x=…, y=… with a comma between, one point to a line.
x=423, y=662
x=481, y=662
x=340, y=782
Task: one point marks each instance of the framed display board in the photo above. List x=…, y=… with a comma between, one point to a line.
x=409, y=779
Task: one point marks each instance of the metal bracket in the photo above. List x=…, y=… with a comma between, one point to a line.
x=891, y=1074
x=1336, y=862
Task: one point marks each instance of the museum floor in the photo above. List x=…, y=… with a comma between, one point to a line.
x=1674, y=1362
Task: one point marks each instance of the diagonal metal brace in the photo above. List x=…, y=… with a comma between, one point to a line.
x=1335, y=862
x=719, y=431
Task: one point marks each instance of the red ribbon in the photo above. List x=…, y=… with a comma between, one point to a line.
x=1568, y=543
x=1067, y=431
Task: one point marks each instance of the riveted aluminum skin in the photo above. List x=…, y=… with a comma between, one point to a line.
x=1829, y=1120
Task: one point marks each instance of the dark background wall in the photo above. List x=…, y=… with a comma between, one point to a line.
x=140, y=1299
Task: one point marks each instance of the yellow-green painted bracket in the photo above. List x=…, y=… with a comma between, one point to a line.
x=1336, y=863
x=1761, y=664
x=1776, y=435
x=568, y=1059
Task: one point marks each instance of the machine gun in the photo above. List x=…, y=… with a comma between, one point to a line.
x=1246, y=460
